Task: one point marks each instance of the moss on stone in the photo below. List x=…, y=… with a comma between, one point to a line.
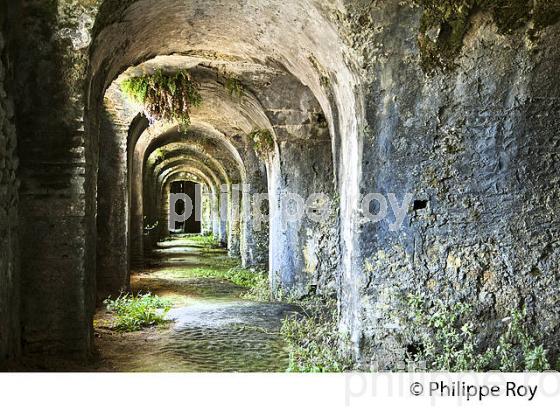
x=442, y=29
x=510, y=15
x=546, y=13
x=444, y=24
x=234, y=87
x=263, y=142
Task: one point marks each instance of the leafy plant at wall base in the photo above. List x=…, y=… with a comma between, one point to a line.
x=260, y=289
x=165, y=96
x=135, y=312
x=313, y=339
x=446, y=342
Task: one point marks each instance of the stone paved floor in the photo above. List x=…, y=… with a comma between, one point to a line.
x=213, y=328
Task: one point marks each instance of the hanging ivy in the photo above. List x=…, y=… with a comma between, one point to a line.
x=165, y=96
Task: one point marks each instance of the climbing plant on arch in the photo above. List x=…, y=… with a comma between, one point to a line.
x=165, y=96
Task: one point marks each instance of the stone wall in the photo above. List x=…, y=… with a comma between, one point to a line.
x=58, y=181
x=113, y=253
x=9, y=263
x=463, y=116
x=478, y=146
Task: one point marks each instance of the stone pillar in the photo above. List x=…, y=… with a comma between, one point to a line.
x=113, y=268
x=9, y=263
x=206, y=222
x=216, y=215
x=303, y=251
x=223, y=211
x=234, y=225
x=58, y=163
x=254, y=244
x=164, y=209
x=135, y=169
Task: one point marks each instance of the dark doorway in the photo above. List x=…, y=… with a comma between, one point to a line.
x=193, y=191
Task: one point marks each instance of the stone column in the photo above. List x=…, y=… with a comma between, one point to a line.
x=9, y=249
x=58, y=164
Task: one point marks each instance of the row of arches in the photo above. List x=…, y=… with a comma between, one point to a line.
x=356, y=99
x=304, y=91
x=299, y=82
x=248, y=191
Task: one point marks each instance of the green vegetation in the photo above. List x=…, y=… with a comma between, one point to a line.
x=237, y=275
x=260, y=289
x=263, y=142
x=312, y=336
x=244, y=277
x=206, y=241
x=234, y=87
x=444, y=341
x=444, y=24
x=313, y=339
x=241, y=277
x=135, y=312
x=165, y=96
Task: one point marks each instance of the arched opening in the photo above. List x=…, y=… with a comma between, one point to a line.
x=302, y=93
x=264, y=141
x=187, y=205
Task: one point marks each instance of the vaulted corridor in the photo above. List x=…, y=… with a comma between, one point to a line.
x=353, y=160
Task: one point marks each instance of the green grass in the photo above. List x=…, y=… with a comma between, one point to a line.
x=206, y=241
x=260, y=289
x=239, y=276
x=244, y=277
x=135, y=312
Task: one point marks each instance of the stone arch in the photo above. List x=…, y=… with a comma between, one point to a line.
x=320, y=67
x=207, y=193
x=85, y=62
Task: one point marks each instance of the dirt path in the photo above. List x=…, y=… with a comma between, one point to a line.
x=213, y=328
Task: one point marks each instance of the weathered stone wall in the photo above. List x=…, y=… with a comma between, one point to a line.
x=463, y=116
x=303, y=252
x=57, y=196
x=478, y=146
x=9, y=246
x=112, y=205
